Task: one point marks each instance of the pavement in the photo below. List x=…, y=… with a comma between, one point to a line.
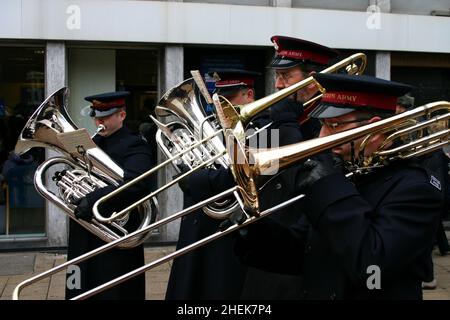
x=17, y=267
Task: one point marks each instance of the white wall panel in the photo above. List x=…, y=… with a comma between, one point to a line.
x=199, y=23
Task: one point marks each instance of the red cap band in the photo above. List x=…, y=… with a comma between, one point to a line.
x=108, y=105
x=304, y=55
x=377, y=100
x=225, y=83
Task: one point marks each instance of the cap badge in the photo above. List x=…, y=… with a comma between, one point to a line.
x=275, y=45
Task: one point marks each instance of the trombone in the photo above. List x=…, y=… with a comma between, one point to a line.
x=285, y=157
x=248, y=165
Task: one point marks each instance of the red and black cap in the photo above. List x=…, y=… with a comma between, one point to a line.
x=290, y=52
x=105, y=104
x=348, y=93
x=229, y=81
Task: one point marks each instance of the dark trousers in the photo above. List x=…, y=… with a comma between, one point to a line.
x=441, y=239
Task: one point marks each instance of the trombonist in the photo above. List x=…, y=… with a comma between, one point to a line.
x=369, y=238
x=132, y=154
x=294, y=61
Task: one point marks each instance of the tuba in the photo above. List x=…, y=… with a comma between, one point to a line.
x=183, y=122
x=87, y=167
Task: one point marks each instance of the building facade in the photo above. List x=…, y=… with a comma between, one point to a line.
x=147, y=47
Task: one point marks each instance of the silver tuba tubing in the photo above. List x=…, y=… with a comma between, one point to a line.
x=182, y=123
x=72, y=186
x=153, y=171
x=179, y=139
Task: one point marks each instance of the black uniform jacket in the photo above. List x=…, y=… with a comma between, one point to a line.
x=384, y=220
x=213, y=271
x=133, y=155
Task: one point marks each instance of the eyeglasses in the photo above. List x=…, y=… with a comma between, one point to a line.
x=285, y=76
x=334, y=125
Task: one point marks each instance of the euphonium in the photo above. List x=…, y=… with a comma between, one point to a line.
x=89, y=167
x=183, y=122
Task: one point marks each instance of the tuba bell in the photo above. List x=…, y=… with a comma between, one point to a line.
x=87, y=168
x=183, y=122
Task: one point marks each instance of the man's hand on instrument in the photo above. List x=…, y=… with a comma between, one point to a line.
x=286, y=109
x=183, y=183
x=83, y=210
x=316, y=168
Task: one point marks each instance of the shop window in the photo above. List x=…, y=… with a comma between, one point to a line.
x=22, y=209
x=345, y=53
x=137, y=72
x=429, y=73
x=94, y=70
x=209, y=59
